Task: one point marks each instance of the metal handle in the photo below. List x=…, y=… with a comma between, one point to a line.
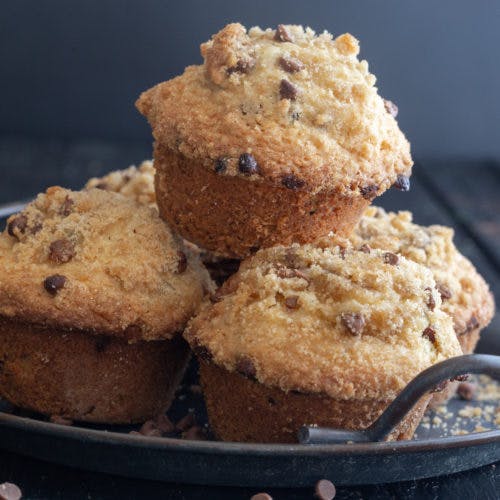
x=12, y=208
x=397, y=410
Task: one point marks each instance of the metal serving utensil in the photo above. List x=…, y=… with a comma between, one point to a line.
x=396, y=411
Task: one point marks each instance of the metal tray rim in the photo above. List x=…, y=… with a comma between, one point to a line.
x=232, y=448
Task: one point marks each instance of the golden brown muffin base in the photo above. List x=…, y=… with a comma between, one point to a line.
x=234, y=216
x=241, y=409
x=468, y=342
x=82, y=376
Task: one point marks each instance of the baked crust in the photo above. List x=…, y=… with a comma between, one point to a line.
x=466, y=296
x=324, y=124
x=335, y=321
x=242, y=410
x=77, y=375
x=223, y=215
x=133, y=182
x=98, y=261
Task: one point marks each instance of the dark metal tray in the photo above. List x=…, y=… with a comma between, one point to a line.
x=434, y=451
x=447, y=441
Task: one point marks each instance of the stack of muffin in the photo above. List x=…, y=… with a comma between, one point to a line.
x=270, y=153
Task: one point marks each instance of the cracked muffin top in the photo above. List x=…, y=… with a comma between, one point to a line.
x=134, y=182
x=98, y=261
x=466, y=296
x=286, y=105
x=339, y=321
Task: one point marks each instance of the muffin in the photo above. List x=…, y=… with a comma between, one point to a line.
x=309, y=336
x=94, y=289
x=279, y=136
x=464, y=293
x=133, y=182
x=138, y=183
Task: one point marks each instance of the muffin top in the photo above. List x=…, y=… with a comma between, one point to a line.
x=339, y=321
x=285, y=106
x=466, y=296
x=96, y=260
x=135, y=182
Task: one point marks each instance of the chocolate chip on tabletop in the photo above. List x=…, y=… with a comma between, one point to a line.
x=10, y=491
x=261, y=496
x=325, y=490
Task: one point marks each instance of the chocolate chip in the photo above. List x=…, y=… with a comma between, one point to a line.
x=221, y=165
x=242, y=66
x=101, y=342
x=54, y=283
x=247, y=164
x=67, y=206
x=466, y=391
x=290, y=64
x=431, y=303
x=196, y=433
x=472, y=324
x=342, y=251
x=325, y=490
x=440, y=387
x=245, y=366
x=149, y=428
x=61, y=251
x=354, y=322
x=182, y=263
x=186, y=422
x=291, y=181
x=460, y=378
x=430, y=334
x=57, y=419
x=390, y=258
x=444, y=291
x=286, y=272
x=292, y=259
x=10, y=491
x=282, y=34
x=37, y=227
x=292, y=302
x=369, y=192
x=164, y=424
x=288, y=90
x=391, y=108
x=17, y=225
x=102, y=185
x=261, y=496
x=365, y=248
x=402, y=183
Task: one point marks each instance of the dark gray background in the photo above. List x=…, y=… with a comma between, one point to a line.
x=74, y=69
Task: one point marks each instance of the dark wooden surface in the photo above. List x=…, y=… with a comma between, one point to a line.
x=463, y=195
